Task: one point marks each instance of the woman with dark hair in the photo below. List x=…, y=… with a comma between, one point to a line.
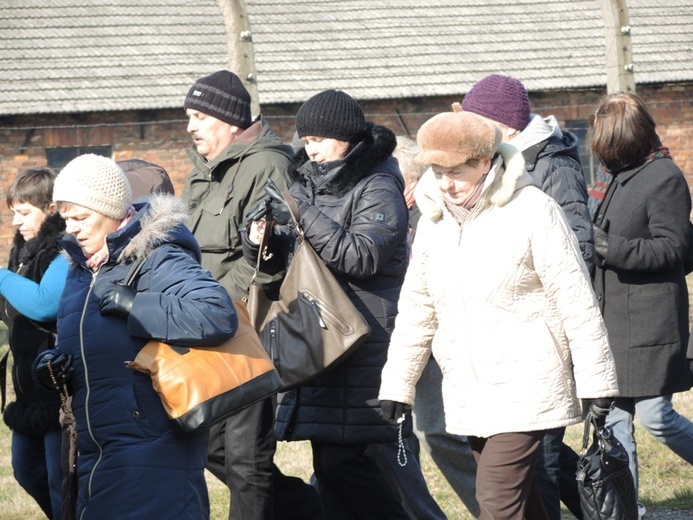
x=348, y=189
x=29, y=293
x=641, y=214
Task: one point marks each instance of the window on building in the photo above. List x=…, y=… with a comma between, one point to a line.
x=589, y=164
x=58, y=157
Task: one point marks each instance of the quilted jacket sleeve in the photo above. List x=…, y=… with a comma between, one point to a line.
x=180, y=303
x=565, y=183
x=378, y=227
x=566, y=280
x=415, y=326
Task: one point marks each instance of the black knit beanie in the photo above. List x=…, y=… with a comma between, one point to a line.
x=221, y=95
x=331, y=114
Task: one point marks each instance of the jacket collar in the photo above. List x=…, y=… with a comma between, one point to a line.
x=339, y=177
x=507, y=175
x=46, y=239
x=160, y=220
x=257, y=137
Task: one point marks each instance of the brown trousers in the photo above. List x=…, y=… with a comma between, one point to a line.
x=505, y=485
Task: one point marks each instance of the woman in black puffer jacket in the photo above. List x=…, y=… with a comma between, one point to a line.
x=349, y=192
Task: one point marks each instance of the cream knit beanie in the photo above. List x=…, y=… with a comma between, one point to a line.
x=94, y=182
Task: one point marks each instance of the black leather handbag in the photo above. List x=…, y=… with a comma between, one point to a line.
x=605, y=483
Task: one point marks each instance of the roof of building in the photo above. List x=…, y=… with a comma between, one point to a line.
x=61, y=56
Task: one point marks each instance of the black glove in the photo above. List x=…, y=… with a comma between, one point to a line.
x=60, y=364
x=597, y=408
x=393, y=412
x=258, y=211
x=601, y=242
x=118, y=300
x=280, y=211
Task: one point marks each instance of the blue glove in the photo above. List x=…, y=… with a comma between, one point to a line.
x=118, y=300
x=56, y=362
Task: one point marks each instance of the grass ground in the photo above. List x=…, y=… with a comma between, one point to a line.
x=665, y=480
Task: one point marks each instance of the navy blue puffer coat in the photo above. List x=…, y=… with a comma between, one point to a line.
x=132, y=461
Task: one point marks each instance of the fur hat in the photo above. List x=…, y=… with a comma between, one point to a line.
x=453, y=138
x=332, y=114
x=221, y=95
x=500, y=98
x=94, y=182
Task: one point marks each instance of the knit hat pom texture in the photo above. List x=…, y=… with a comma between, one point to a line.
x=500, y=98
x=331, y=114
x=96, y=183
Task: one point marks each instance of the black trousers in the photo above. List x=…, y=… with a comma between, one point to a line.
x=241, y=453
x=352, y=486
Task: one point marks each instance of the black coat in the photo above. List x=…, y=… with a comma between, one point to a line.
x=641, y=286
x=354, y=215
x=555, y=167
x=34, y=410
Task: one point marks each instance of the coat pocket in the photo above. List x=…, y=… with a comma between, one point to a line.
x=653, y=316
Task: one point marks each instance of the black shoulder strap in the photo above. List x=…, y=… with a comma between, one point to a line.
x=3, y=378
x=135, y=269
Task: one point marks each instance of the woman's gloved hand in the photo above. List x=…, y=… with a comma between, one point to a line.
x=393, y=412
x=280, y=211
x=118, y=300
x=53, y=369
x=601, y=242
x=598, y=408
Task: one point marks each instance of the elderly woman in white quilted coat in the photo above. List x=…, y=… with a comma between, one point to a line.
x=497, y=291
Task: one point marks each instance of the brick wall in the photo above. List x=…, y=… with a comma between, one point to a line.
x=160, y=136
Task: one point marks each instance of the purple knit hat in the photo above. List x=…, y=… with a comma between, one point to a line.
x=500, y=98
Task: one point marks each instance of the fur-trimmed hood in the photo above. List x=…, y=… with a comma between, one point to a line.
x=339, y=177
x=160, y=220
x=507, y=175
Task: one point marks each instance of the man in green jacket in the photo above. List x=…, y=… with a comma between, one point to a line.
x=233, y=157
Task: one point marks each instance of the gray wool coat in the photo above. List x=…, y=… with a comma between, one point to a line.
x=641, y=286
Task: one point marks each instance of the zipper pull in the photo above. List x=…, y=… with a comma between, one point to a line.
x=317, y=310
x=273, y=339
x=93, y=278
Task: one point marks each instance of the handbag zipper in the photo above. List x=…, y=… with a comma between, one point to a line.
x=317, y=309
x=273, y=343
